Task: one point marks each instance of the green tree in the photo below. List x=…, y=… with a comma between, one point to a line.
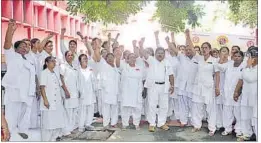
x=173, y=15
x=116, y=12
x=243, y=11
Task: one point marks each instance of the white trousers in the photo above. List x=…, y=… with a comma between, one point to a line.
x=110, y=113
x=198, y=110
x=185, y=104
x=17, y=115
x=50, y=135
x=35, y=119
x=144, y=109
x=71, y=120
x=99, y=101
x=85, y=115
x=246, y=117
x=174, y=109
x=157, y=96
x=219, y=115
x=229, y=113
x=135, y=112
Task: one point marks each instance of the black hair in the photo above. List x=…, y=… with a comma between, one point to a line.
x=181, y=46
x=104, y=50
x=18, y=43
x=80, y=57
x=94, y=39
x=209, y=45
x=46, y=61
x=253, y=51
x=238, y=48
x=152, y=51
x=113, y=50
x=240, y=53
x=197, y=47
x=130, y=54
x=109, y=55
x=224, y=48
x=66, y=53
x=72, y=41
x=159, y=48
x=26, y=39
x=49, y=41
x=33, y=41
x=104, y=43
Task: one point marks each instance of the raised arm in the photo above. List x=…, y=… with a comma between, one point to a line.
x=171, y=46
x=86, y=43
x=97, y=50
x=43, y=42
x=189, y=42
x=156, y=34
x=62, y=45
x=109, y=42
x=115, y=40
x=9, y=34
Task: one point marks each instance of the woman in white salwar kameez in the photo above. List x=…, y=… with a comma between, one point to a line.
x=231, y=109
x=204, y=92
x=71, y=102
x=87, y=83
x=248, y=83
x=51, y=104
x=110, y=87
x=132, y=86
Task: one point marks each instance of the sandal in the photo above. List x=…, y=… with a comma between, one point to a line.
x=211, y=133
x=225, y=133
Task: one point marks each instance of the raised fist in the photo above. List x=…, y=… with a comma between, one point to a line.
x=109, y=35
x=134, y=42
x=12, y=25
x=156, y=33
x=167, y=38
x=187, y=32
x=63, y=30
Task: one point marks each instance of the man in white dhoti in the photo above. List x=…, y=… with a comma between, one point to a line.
x=132, y=86
x=19, y=83
x=248, y=84
x=51, y=106
x=160, y=83
x=86, y=85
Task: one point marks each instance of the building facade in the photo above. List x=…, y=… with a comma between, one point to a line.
x=36, y=19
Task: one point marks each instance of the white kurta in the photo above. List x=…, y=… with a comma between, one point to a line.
x=204, y=93
x=87, y=83
x=132, y=87
x=71, y=104
x=173, y=99
x=52, y=119
x=249, y=99
x=158, y=94
x=185, y=83
x=19, y=83
x=110, y=92
x=231, y=109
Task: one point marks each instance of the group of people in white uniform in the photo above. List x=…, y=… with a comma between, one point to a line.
x=176, y=83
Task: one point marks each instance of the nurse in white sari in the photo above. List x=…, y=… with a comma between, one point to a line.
x=87, y=85
x=110, y=87
x=51, y=104
x=231, y=109
x=132, y=87
x=70, y=76
x=248, y=83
